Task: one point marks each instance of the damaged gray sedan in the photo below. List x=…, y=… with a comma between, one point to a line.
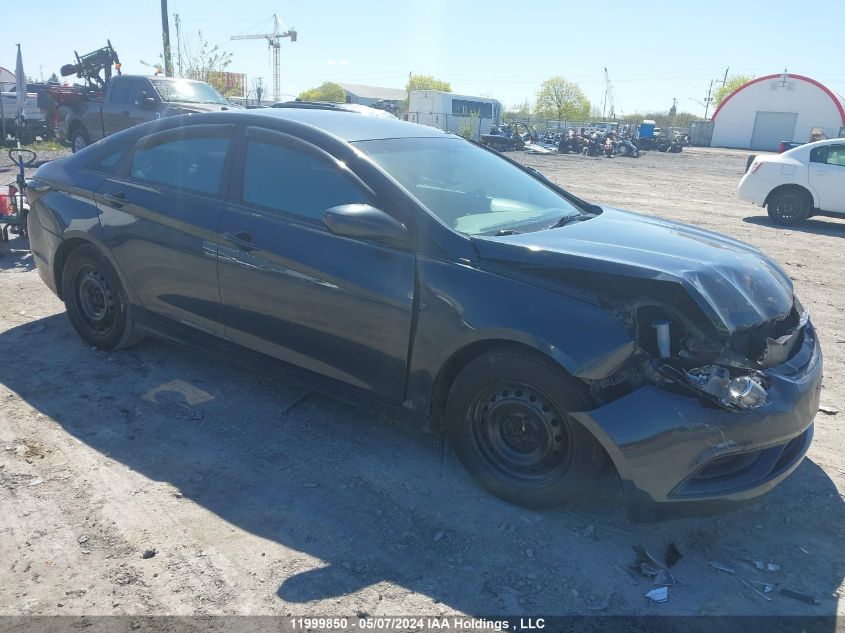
x=549, y=338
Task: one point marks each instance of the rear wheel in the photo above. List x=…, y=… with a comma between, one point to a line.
x=95, y=300
x=507, y=420
x=788, y=207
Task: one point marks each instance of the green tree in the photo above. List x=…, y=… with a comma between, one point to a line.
x=562, y=100
x=54, y=79
x=426, y=82
x=733, y=82
x=327, y=91
x=206, y=62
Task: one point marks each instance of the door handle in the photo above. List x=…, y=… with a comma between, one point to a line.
x=116, y=200
x=125, y=113
x=242, y=239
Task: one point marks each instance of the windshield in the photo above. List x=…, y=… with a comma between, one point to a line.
x=188, y=92
x=470, y=189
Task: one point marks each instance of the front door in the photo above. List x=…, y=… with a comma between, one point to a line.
x=289, y=288
x=160, y=215
x=827, y=176
x=118, y=110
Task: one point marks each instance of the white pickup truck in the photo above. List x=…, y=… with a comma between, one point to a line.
x=36, y=122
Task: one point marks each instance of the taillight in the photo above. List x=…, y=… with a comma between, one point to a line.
x=781, y=147
x=754, y=166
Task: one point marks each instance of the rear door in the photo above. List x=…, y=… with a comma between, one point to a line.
x=289, y=288
x=827, y=176
x=160, y=214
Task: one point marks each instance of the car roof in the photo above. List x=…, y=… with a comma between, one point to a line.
x=825, y=141
x=349, y=126
x=159, y=77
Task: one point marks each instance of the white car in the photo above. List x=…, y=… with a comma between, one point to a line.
x=805, y=181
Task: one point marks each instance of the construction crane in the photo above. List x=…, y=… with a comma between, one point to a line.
x=274, y=45
x=608, y=97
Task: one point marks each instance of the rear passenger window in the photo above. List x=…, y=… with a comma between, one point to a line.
x=836, y=155
x=284, y=179
x=187, y=163
x=818, y=154
x=107, y=163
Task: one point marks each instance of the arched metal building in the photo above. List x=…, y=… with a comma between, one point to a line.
x=784, y=107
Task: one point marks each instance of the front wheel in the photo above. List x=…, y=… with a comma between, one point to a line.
x=788, y=207
x=95, y=300
x=507, y=420
x=79, y=140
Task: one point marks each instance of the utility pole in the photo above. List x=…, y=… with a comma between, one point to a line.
x=165, y=38
x=177, y=21
x=708, y=99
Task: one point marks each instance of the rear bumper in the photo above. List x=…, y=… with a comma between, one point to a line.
x=752, y=190
x=44, y=246
x=677, y=456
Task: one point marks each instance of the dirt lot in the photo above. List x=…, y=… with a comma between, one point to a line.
x=260, y=498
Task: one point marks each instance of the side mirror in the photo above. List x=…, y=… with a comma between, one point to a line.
x=364, y=222
x=148, y=103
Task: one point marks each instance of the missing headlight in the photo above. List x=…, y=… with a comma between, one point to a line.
x=743, y=392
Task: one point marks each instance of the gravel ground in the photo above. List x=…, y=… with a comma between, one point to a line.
x=160, y=481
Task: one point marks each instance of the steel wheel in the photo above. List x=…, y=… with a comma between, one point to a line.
x=96, y=300
x=506, y=418
x=78, y=141
x=520, y=435
x=788, y=207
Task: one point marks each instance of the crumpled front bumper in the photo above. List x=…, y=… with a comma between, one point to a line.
x=677, y=456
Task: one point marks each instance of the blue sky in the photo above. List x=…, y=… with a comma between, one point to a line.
x=654, y=51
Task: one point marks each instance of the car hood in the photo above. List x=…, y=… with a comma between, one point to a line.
x=735, y=284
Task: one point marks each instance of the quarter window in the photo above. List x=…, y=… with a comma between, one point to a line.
x=106, y=163
x=186, y=163
x=284, y=179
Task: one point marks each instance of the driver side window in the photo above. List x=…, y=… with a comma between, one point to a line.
x=284, y=179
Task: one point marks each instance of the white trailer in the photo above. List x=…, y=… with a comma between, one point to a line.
x=460, y=114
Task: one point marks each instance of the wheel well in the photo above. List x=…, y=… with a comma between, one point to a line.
x=791, y=187
x=61, y=257
x=460, y=359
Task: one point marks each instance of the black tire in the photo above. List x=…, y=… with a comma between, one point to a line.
x=96, y=301
x=788, y=207
x=506, y=419
x=79, y=139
